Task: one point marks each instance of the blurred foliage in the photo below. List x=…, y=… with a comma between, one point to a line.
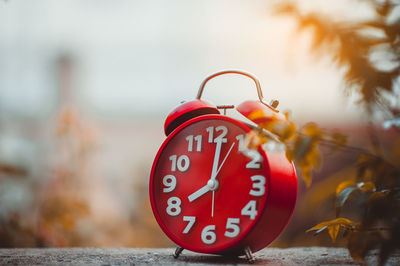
x=351, y=46
x=67, y=207
x=63, y=204
x=372, y=191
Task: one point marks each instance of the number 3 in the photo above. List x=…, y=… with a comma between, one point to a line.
x=258, y=185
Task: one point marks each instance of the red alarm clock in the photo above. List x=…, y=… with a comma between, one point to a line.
x=210, y=193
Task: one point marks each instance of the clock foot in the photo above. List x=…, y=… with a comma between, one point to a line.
x=178, y=252
x=249, y=255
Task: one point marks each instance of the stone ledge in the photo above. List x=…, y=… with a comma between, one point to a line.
x=139, y=256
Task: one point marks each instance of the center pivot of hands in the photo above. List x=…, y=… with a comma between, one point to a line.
x=212, y=184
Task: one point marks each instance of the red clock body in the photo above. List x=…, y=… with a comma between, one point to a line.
x=211, y=194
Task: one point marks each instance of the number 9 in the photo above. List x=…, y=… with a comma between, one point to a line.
x=169, y=182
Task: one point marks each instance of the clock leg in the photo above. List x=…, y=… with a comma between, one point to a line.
x=178, y=252
x=249, y=255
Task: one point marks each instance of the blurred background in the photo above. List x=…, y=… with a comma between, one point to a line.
x=85, y=86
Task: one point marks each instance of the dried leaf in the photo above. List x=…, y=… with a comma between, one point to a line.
x=320, y=230
x=341, y=221
x=312, y=130
x=367, y=186
x=347, y=189
x=268, y=119
x=344, y=185
x=302, y=147
x=366, y=165
x=343, y=197
x=333, y=231
x=253, y=140
x=364, y=158
x=316, y=158
x=333, y=227
x=306, y=175
x=305, y=152
x=289, y=154
x=339, y=140
x=285, y=130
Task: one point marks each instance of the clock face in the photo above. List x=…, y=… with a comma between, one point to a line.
x=207, y=190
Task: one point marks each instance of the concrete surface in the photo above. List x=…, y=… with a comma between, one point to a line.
x=135, y=256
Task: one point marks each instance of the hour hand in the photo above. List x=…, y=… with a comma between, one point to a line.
x=211, y=185
x=199, y=193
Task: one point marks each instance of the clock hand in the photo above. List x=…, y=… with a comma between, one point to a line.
x=223, y=161
x=214, y=174
x=216, y=160
x=212, y=184
x=199, y=193
x=219, y=169
x=212, y=203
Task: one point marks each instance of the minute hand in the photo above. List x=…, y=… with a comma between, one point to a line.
x=226, y=156
x=217, y=153
x=207, y=188
x=223, y=161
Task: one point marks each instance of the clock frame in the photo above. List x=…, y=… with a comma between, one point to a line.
x=275, y=206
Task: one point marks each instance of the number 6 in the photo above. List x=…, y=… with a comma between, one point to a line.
x=207, y=235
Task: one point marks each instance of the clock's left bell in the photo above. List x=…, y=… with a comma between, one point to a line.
x=187, y=111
